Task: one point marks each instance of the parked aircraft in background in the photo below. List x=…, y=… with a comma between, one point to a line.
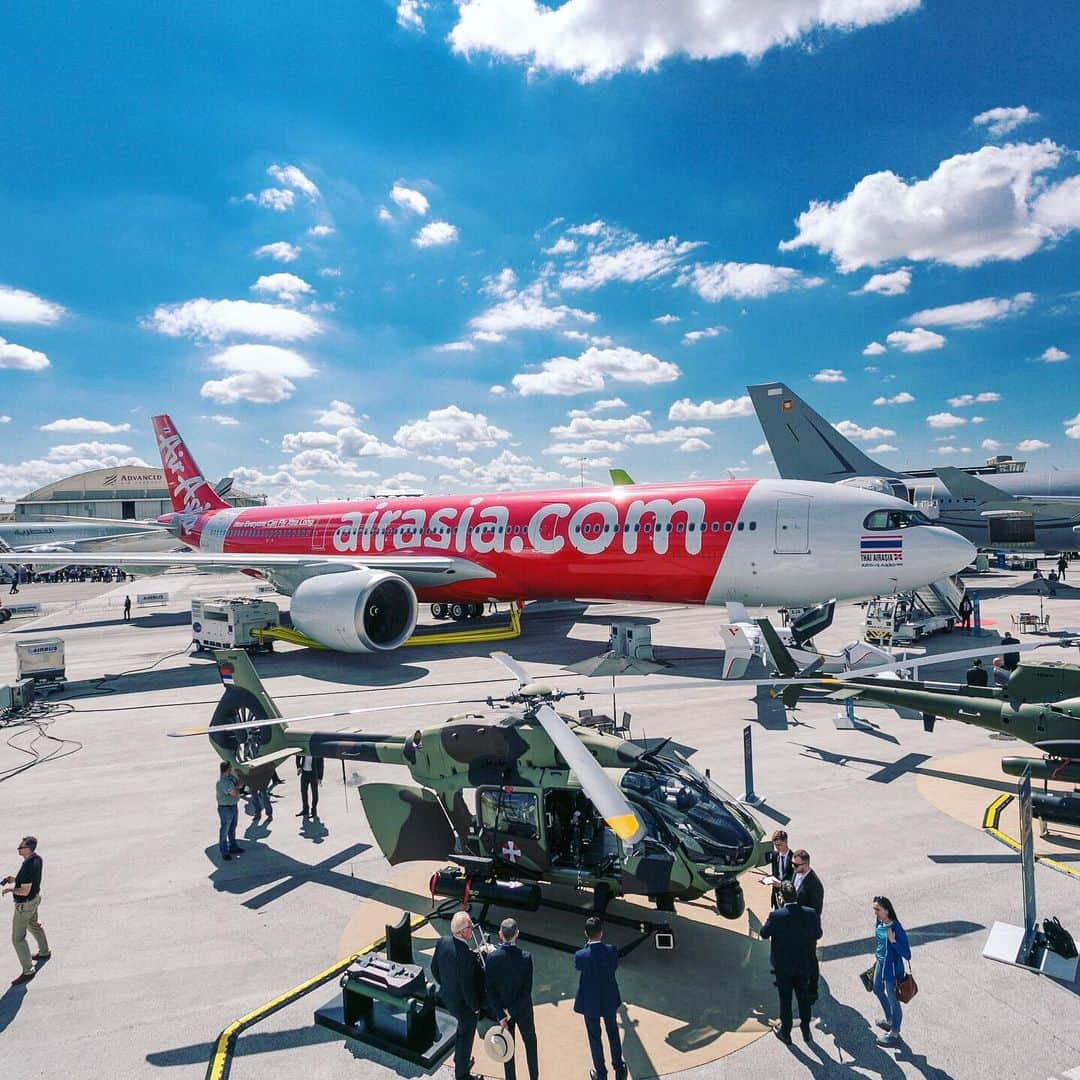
x=998, y=505
x=91, y=534
x=356, y=571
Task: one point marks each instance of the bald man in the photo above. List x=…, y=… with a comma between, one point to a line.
x=456, y=968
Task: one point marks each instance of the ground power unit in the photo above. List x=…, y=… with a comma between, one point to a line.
x=228, y=623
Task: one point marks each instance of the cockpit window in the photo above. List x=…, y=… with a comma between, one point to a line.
x=887, y=520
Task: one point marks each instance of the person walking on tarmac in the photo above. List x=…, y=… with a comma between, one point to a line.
x=127, y=609
x=25, y=889
x=1063, y=565
x=310, y=770
x=14, y=582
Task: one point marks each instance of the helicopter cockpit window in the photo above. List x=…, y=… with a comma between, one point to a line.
x=513, y=812
x=886, y=520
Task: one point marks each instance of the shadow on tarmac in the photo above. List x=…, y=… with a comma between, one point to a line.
x=264, y=1042
x=917, y=935
x=10, y=1004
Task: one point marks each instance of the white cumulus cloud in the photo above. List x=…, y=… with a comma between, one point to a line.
x=1054, y=355
x=945, y=420
x=262, y=388
x=409, y=199
x=80, y=424
x=465, y=430
x=694, y=336
x=525, y=309
x=287, y=287
x=20, y=358
x=982, y=398
x=903, y=398
x=1002, y=120
x=990, y=204
x=70, y=451
x=883, y=448
x=20, y=306
x=321, y=230
x=564, y=375
x=593, y=39
x=973, y=313
x=829, y=375
x=268, y=359
x=280, y=200
x=1029, y=446
x=914, y=341
x=292, y=177
x=589, y=427
x=339, y=414
x=436, y=234
x=665, y=320
x=215, y=320
x=849, y=429
x=894, y=284
x=743, y=281
x=875, y=348
x=617, y=255
x=279, y=251
x=410, y=14
x=685, y=409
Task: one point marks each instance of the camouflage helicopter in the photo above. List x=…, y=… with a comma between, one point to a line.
x=552, y=800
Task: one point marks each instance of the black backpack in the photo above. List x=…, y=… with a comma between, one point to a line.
x=1058, y=938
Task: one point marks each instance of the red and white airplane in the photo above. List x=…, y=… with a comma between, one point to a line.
x=356, y=571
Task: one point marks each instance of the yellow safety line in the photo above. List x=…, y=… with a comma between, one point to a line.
x=447, y=637
x=990, y=824
x=221, y=1061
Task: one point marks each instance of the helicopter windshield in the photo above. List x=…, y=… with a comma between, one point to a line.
x=693, y=810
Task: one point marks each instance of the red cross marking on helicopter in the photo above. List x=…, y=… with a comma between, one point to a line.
x=510, y=851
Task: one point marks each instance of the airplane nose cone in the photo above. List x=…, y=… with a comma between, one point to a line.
x=951, y=551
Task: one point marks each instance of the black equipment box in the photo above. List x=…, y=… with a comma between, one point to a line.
x=374, y=972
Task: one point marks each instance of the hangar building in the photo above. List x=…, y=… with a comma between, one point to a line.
x=124, y=493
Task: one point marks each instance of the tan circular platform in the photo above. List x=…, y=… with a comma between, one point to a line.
x=707, y=998
x=964, y=785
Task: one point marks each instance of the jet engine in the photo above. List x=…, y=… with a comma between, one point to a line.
x=355, y=611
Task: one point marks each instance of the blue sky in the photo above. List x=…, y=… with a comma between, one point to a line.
x=453, y=246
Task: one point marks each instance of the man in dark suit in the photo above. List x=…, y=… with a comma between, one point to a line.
x=598, y=998
x=808, y=888
x=310, y=770
x=793, y=930
x=780, y=867
x=508, y=973
x=456, y=968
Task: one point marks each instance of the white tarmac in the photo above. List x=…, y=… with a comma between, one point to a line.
x=158, y=946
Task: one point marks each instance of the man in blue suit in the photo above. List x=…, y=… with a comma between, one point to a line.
x=509, y=978
x=793, y=930
x=598, y=998
x=456, y=968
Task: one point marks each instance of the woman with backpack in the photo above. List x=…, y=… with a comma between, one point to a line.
x=891, y=950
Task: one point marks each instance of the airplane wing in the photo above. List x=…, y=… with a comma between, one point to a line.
x=416, y=569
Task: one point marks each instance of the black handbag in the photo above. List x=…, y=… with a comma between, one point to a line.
x=1058, y=938
x=867, y=978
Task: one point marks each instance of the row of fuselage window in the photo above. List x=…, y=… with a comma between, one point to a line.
x=510, y=530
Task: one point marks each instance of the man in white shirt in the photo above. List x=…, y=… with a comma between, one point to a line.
x=310, y=770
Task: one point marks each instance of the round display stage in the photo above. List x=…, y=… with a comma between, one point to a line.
x=708, y=997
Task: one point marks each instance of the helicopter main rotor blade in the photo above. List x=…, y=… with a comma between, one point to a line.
x=597, y=785
x=513, y=667
x=184, y=733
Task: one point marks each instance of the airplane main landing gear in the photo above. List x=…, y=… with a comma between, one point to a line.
x=459, y=612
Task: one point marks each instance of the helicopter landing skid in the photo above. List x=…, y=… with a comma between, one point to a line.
x=644, y=928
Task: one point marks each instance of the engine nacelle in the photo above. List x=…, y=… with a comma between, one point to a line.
x=355, y=611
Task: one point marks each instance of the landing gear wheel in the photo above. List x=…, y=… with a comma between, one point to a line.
x=730, y=902
x=438, y=611
x=475, y=611
x=457, y=612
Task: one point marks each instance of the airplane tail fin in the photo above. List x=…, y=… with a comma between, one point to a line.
x=804, y=445
x=188, y=489
x=738, y=652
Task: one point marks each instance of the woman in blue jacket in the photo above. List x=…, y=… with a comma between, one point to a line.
x=891, y=952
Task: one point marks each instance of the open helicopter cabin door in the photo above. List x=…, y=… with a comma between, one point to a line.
x=511, y=828
x=408, y=822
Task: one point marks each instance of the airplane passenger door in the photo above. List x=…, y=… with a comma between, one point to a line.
x=793, y=525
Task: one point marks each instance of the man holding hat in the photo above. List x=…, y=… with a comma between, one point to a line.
x=509, y=972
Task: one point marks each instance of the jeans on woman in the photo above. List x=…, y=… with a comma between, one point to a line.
x=886, y=994
x=227, y=816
